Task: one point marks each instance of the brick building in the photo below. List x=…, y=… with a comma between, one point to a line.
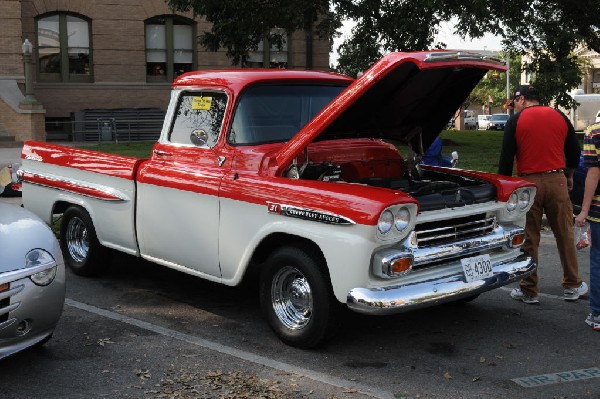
x=111, y=54
x=591, y=78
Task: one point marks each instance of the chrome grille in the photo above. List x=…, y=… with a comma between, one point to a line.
x=449, y=230
x=4, y=301
x=6, y=292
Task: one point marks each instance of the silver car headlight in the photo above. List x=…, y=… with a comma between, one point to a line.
x=386, y=220
x=520, y=200
x=402, y=219
x=39, y=257
x=511, y=204
x=396, y=221
x=524, y=199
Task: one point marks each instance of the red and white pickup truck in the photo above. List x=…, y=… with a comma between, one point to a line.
x=310, y=180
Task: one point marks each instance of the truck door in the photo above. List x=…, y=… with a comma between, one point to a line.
x=178, y=188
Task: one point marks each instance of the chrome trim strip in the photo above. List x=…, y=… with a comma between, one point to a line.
x=7, y=323
x=106, y=190
x=15, y=275
x=463, y=56
x=9, y=308
x=11, y=292
x=442, y=288
x=308, y=214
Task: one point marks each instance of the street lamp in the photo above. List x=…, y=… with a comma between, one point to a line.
x=508, y=79
x=27, y=49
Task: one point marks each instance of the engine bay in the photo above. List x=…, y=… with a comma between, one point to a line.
x=433, y=189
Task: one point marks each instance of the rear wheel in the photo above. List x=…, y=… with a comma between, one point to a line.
x=81, y=249
x=296, y=297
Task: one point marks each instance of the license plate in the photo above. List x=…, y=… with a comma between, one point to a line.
x=477, y=267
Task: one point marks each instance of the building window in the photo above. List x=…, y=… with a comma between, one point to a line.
x=272, y=52
x=169, y=48
x=64, y=51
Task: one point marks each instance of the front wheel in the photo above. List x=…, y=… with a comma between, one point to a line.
x=296, y=297
x=79, y=244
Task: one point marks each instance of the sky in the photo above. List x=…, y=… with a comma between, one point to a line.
x=454, y=42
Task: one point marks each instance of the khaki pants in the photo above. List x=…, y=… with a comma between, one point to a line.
x=552, y=198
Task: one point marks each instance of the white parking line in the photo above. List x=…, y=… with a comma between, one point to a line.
x=250, y=357
x=560, y=377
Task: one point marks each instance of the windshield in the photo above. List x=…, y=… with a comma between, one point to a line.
x=500, y=117
x=275, y=113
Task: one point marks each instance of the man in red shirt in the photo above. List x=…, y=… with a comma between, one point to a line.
x=542, y=141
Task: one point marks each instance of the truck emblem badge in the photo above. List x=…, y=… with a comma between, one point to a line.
x=307, y=214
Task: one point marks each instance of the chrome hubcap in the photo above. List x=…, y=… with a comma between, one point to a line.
x=292, y=298
x=77, y=240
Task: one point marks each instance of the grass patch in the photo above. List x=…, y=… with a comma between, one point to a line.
x=477, y=149
x=138, y=149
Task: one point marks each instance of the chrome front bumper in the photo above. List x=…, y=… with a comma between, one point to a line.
x=439, y=289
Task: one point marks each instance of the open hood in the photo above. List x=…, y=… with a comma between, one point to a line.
x=408, y=97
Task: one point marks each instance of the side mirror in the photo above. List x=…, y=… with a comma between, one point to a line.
x=199, y=137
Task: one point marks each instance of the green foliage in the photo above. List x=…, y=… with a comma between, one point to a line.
x=238, y=26
x=493, y=84
x=546, y=30
x=385, y=26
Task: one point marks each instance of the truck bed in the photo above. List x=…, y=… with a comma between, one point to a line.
x=104, y=184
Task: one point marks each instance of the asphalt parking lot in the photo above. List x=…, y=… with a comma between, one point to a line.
x=143, y=331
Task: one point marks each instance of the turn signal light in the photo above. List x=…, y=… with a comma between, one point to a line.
x=3, y=287
x=517, y=240
x=400, y=266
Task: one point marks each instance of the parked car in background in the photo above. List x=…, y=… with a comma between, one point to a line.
x=497, y=121
x=586, y=111
x=597, y=117
x=483, y=121
x=32, y=280
x=469, y=120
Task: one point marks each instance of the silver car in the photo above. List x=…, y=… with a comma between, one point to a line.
x=32, y=280
x=498, y=121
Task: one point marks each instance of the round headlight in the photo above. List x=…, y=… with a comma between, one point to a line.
x=402, y=219
x=524, y=198
x=386, y=220
x=512, y=202
x=44, y=277
x=39, y=257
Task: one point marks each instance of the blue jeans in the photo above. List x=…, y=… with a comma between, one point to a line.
x=595, y=268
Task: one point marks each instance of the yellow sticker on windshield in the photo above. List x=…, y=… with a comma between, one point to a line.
x=201, y=103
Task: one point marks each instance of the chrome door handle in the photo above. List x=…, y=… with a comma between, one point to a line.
x=162, y=153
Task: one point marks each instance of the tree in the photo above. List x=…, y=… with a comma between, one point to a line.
x=547, y=31
x=493, y=85
x=544, y=32
x=238, y=26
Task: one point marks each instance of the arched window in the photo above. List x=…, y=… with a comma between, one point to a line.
x=64, y=50
x=169, y=48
